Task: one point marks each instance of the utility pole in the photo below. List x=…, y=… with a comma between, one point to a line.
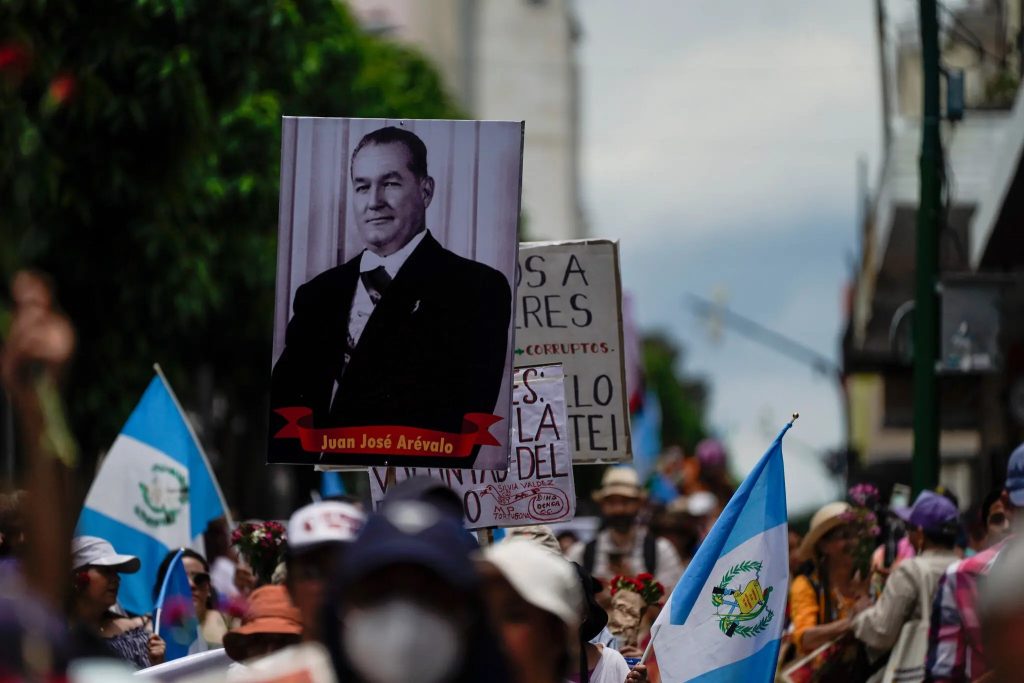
x=883, y=67
x=926, y=303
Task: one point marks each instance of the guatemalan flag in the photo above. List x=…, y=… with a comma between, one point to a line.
x=176, y=620
x=724, y=619
x=154, y=492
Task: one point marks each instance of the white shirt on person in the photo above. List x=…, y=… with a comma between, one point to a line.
x=610, y=668
x=362, y=305
x=879, y=626
x=668, y=565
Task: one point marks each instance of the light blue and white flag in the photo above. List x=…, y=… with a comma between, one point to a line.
x=724, y=619
x=154, y=492
x=175, y=619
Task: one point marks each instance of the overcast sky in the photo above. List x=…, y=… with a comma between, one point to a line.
x=720, y=145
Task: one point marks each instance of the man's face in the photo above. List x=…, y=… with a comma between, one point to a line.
x=619, y=506
x=619, y=512
x=390, y=202
x=998, y=522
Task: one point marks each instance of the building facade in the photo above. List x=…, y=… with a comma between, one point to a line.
x=507, y=59
x=981, y=265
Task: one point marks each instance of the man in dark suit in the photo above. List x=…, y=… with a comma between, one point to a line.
x=406, y=333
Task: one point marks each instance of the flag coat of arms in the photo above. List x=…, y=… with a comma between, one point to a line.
x=724, y=619
x=153, y=493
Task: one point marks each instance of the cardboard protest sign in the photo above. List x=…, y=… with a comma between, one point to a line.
x=569, y=311
x=393, y=320
x=538, y=486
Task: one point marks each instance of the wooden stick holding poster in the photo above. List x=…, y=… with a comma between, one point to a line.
x=569, y=311
x=538, y=486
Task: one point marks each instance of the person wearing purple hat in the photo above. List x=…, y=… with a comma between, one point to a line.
x=905, y=604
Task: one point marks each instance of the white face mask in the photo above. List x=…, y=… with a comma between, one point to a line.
x=399, y=641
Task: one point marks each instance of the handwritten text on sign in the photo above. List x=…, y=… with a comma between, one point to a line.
x=538, y=486
x=569, y=311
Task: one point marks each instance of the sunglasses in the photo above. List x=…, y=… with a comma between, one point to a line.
x=999, y=519
x=200, y=579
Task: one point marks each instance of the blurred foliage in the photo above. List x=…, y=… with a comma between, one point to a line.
x=682, y=399
x=1001, y=89
x=141, y=167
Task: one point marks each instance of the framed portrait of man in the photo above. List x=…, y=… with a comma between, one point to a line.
x=393, y=306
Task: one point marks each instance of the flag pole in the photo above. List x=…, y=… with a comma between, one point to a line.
x=796, y=416
x=199, y=444
x=163, y=592
x=647, y=650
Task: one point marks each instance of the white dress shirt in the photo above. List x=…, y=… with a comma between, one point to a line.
x=362, y=306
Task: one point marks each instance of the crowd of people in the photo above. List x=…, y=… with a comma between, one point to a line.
x=932, y=602
x=399, y=595
x=406, y=593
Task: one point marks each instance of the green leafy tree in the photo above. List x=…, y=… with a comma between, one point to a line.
x=141, y=171
x=682, y=399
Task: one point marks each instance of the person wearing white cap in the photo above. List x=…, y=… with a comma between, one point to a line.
x=623, y=546
x=536, y=600
x=95, y=579
x=317, y=533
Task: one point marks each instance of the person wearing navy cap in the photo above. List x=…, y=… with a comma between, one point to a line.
x=932, y=524
x=407, y=604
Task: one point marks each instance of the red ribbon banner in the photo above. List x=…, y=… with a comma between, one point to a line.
x=388, y=439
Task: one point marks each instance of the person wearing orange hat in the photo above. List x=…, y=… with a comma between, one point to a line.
x=271, y=623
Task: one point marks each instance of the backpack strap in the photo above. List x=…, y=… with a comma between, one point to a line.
x=651, y=553
x=590, y=556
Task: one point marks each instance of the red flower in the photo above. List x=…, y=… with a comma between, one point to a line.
x=62, y=88
x=234, y=606
x=15, y=59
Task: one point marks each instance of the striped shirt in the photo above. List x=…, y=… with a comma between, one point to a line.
x=954, y=638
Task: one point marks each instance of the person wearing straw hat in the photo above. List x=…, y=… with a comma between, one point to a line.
x=95, y=579
x=623, y=546
x=822, y=602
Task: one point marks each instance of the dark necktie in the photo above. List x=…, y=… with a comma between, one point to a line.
x=376, y=282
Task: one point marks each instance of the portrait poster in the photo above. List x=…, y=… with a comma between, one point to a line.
x=569, y=311
x=538, y=486
x=392, y=335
